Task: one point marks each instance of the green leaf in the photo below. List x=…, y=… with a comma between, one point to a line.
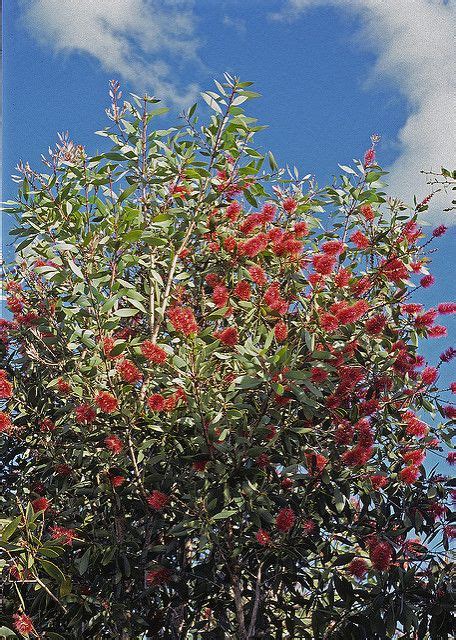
x=128, y=191
x=52, y=570
x=223, y=515
x=8, y=531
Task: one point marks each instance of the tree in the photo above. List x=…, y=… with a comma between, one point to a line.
x=213, y=399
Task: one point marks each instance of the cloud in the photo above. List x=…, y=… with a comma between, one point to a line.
x=414, y=42
x=137, y=39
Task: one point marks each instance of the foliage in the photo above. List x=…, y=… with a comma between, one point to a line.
x=213, y=399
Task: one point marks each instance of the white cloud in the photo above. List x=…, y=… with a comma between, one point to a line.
x=414, y=40
x=133, y=38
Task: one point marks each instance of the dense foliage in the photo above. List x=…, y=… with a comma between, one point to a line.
x=213, y=420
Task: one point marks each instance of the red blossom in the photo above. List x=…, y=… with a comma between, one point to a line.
x=85, y=414
x=409, y=474
x=6, y=388
x=285, y=519
x=427, y=281
x=183, y=320
x=153, y=352
x=358, y=567
x=158, y=500
x=220, y=296
x=65, y=536
x=281, y=331
x=63, y=386
x=316, y=462
x=429, y=375
x=439, y=231
x=446, y=308
x=367, y=212
x=289, y=205
x=258, y=275
x=113, y=443
x=263, y=537
x=228, y=336
x=242, y=290
x=23, y=624
x=378, y=481
x=158, y=577
x=156, y=402
x=369, y=157
x=106, y=402
x=128, y=371
x=380, y=556
x=40, y=504
x=323, y=263
x=360, y=240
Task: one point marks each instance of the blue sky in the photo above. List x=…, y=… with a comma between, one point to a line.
x=331, y=72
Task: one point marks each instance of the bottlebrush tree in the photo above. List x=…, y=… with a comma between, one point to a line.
x=213, y=420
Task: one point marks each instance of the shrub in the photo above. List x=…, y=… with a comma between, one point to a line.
x=214, y=406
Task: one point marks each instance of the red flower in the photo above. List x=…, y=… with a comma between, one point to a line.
x=380, y=556
x=40, y=504
x=158, y=500
x=23, y=624
x=153, y=353
x=376, y=324
x=106, y=402
x=367, y=212
x=451, y=458
x=262, y=461
x=286, y=483
x=285, y=519
x=258, y=275
x=359, y=239
x=357, y=456
x=84, y=414
x=318, y=375
x=438, y=331
x=63, y=470
x=63, y=386
x=220, y=296
x=254, y=246
x=378, y=481
x=316, y=462
x=6, y=425
x=47, y=425
x=6, y=388
x=113, y=443
x=394, y=269
x=333, y=247
x=183, y=320
x=415, y=457
x=289, y=205
x=228, y=336
x=128, y=371
x=66, y=536
x=242, y=290
x=157, y=577
x=427, y=281
x=200, y=465
x=446, y=308
x=263, y=537
x=415, y=427
x=369, y=157
x=281, y=331
x=115, y=480
x=156, y=402
x=342, y=277
x=301, y=229
x=439, y=231
x=429, y=375
x=328, y=322
x=358, y=568
x=409, y=474
x=449, y=412
x=323, y=263
x=448, y=355
x=233, y=210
